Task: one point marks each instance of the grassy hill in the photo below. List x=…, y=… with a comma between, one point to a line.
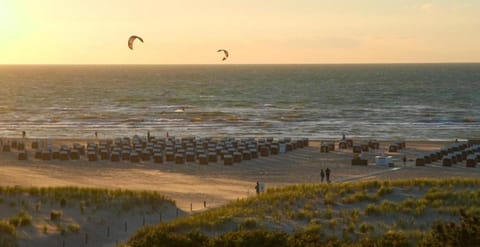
x=71, y=216
x=383, y=213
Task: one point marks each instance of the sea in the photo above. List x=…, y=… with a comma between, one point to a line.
x=377, y=101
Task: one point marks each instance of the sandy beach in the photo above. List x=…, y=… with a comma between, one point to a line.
x=191, y=185
x=215, y=183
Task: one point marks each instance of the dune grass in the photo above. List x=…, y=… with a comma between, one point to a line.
x=347, y=211
x=36, y=201
x=21, y=219
x=121, y=200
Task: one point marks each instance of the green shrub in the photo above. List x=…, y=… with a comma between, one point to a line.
x=366, y=228
x=384, y=190
x=164, y=236
x=371, y=209
x=312, y=235
x=7, y=228
x=75, y=228
x=387, y=206
x=7, y=235
x=249, y=224
x=328, y=214
x=21, y=219
x=62, y=229
x=394, y=239
x=359, y=196
x=330, y=198
x=467, y=233
x=354, y=215
x=55, y=215
x=333, y=223
x=251, y=238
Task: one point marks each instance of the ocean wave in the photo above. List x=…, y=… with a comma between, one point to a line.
x=471, y=119
x=133, y=120
x=451, y=120
x=321, y=101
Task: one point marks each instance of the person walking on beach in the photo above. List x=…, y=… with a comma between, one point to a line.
x=327, y=173
x=24, y=134
x=96, y=134
x=148, y=136
x=343, y=136
x=322, y=175
x=404, y=161
x=257, y=188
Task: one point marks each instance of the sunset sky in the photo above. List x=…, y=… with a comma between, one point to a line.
x=266, y=31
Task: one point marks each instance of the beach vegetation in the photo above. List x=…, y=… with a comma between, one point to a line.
x=249, y=224
x=352, y=207
x=21, y=219
x=7, y=228
x=73, y=227
x=7, y=234
x=55, y=215
x=332, y=223
x=366, y=228
x=61, y=229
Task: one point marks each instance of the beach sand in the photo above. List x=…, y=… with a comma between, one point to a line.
x=191, y=184
x=215, y=183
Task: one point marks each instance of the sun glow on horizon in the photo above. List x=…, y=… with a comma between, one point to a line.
x=283, y=31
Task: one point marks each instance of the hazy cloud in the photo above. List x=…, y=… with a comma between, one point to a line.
x=427, y=7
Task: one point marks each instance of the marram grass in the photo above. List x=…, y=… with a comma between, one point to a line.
x=344, y=210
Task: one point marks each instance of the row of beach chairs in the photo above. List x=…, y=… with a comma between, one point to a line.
x=159, y=150
x=451, y=155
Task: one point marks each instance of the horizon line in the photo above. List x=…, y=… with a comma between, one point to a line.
x=223, y=64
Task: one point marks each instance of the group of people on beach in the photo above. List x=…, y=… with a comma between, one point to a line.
x=325, y=174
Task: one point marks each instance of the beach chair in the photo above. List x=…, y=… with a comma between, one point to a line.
x=274, y=149
x=104, y=155
x=179, y=159
x=228, y=160
x=246, y=155
x=237, y=157
x=254, y=153
x=63, y=155
x=22, y=155
x=34, y=145
x=393, y=148
x=263, y=151
x=74, y=154
x=169, y=156
x=203, y=159
x=471, y=161
x=46, y=154
x=92, y=156
x=158, y=157
x=447, y=161
x=212, y=156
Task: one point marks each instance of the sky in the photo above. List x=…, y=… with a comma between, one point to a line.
x=255, y=32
